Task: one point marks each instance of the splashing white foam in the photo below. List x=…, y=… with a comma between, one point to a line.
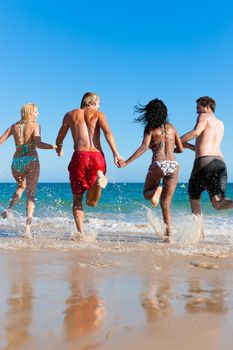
x=156, y=224
x=189, y=229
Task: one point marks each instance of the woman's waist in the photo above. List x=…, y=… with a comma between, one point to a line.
x=162, y=158
x=31, y=152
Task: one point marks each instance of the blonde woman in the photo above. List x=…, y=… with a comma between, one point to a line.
x=25, y=165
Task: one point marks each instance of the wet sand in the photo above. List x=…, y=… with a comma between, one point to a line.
x=114, y=297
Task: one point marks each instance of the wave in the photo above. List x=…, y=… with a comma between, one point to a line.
x=125, y=232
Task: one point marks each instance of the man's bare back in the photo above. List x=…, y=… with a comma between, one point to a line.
x=208, y=142
x=84, y=125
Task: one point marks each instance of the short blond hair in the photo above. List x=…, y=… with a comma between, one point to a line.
x=89, y=99
x=26, y=110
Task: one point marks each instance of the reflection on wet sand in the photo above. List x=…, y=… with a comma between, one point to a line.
x=19, y=314
x=155, y=300
x=211, y=299
x=85, y=309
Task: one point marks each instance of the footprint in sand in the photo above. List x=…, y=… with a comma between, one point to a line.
x=100, y=265
x=204, y=265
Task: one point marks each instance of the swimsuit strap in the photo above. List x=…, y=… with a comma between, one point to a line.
x=163, y=142
x=21, y=127
x=25, y=147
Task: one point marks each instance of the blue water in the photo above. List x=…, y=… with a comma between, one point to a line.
x=121, y=215
x=55, y=199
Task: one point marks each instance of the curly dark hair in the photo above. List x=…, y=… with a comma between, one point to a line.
x=152, y=115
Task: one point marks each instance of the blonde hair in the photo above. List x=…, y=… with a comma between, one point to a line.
x=89, y=99
x=26, y=110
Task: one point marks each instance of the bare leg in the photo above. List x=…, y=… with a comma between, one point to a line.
x=195, y=206
x=32, y=177
x=156, y=196
x=93, y=195
x=221, y=203
x=196, y=209
x=78, y=214
x=169, y=186
x=152, y=190
x=20, y=179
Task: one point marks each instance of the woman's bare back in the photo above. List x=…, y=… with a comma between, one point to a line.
x=23, y=133
x=163, y=141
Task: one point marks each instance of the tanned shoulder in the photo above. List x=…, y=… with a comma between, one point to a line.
x=171, y=126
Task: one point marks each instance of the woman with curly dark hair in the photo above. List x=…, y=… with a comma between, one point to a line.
x=161, y=137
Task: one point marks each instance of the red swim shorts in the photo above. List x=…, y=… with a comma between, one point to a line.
x=83, y=168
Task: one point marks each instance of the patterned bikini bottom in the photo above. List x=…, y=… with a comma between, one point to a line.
x=167, y=166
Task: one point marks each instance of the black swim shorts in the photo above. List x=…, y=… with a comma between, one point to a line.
x=211, y=177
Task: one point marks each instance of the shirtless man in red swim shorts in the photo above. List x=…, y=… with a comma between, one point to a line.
x=87, y=167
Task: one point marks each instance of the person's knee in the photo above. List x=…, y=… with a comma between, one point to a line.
x=30, y=196
x=91, y=203
x=165, y=204
x=77, y=203
x=21, y=187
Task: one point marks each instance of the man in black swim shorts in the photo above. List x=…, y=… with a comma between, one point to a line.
x=209, y=169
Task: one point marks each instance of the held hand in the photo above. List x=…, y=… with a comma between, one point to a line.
x=185, y=144
x=189, y=146
x=59, y=151
x=117, y=158
x=122, y=163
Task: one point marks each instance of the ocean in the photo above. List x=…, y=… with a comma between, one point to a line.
x=122, y=215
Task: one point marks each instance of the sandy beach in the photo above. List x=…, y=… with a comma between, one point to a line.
x=114, y=296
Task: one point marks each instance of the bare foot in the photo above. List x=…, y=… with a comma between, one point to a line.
x=156, y=196
x=27, y=232
x=77, y=236
x=166, y=239
x=101, y=179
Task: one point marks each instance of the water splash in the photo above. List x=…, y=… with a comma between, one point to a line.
x=156, y=224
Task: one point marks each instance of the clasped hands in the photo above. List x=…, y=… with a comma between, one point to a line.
x=119, y=161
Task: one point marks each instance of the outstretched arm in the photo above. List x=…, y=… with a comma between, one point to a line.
x=109, y=137
x=62, y=134
x=179, y=147
x=142, y=149
x=199, y=127
x=38, y=142
x=189, y=146
x=5, y=135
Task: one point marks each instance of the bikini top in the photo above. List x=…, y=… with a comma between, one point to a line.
x=24, y=146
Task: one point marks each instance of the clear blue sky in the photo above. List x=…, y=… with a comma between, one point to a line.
x=53, y=51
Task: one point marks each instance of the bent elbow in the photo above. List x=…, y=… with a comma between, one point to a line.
x=37, y=144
